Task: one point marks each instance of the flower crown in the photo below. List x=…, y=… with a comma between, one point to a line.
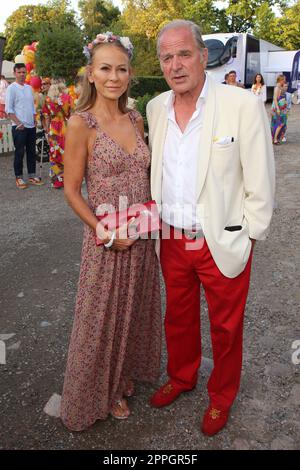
x=105, y=38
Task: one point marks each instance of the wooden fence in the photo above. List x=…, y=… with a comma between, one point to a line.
x=6, y=143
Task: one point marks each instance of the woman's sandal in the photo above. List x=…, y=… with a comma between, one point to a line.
x=129, y=390
x=120, y=410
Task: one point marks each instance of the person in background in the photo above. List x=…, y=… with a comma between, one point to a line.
x=231, y=80
x=259, y=88
x=57, y=110
x=279, y=111
x=40, y=101
x=3, y=87
x=288, y=98
x=19, y=106
x=225, y=79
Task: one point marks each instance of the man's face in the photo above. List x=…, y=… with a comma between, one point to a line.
x=45, y=86
x=20, y=75
x=232, y=78
x=181, y=60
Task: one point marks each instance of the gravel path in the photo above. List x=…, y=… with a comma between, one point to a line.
x=40, y=255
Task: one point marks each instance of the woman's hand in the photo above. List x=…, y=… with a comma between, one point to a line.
x=103, y=234
x=122, y=241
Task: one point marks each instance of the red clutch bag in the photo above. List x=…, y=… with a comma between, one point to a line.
x=146, y=217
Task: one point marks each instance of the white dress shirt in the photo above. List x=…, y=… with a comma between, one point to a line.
x=182, y=151
x=19, y=101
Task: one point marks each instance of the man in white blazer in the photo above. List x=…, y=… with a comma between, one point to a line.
x=212, y=172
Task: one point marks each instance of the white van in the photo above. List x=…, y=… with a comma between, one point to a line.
x=248, y=56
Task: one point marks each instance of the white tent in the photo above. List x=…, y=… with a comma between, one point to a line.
x=8, y=70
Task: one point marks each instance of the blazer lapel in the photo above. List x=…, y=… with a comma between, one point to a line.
x=157, y=150
x=207, y=135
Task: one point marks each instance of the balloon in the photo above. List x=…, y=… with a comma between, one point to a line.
x=31, y=48
x=29, y=57
x=29, y=67
x=19, y=59
x=28, y=77
x=34, y=45
x=35, y=82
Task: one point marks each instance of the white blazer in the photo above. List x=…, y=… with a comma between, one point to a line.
x=235, y=181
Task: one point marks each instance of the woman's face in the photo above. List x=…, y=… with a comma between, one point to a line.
x=258, y=78
x=282, y=82
x=110, y=72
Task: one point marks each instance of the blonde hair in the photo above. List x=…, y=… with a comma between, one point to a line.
x=280, y=77
x=88, y=93
x=58, y=86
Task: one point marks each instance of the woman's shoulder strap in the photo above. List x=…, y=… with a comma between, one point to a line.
x=135, y=115
x=88, y=118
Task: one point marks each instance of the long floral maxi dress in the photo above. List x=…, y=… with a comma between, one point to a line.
x=58, y=112
x=279, y=120
x=116, y=333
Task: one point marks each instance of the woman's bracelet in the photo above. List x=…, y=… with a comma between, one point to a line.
x=109, y=244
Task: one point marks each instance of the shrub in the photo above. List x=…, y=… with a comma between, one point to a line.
x=148, y=86
x=141, y=104
x=60, y=52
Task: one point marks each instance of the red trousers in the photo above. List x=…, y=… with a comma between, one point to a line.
x=184, y=271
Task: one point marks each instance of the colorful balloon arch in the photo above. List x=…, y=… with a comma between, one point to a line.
x=28, y=57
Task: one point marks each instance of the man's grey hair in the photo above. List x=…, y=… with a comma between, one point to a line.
x=176, y=24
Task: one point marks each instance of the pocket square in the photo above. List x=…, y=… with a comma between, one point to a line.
x=223, y=140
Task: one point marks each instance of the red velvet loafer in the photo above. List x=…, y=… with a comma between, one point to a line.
x=214, y=420
x=166, y=394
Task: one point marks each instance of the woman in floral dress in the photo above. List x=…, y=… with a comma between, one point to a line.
x=57, y=110
x=116, y=336
x=279, y=111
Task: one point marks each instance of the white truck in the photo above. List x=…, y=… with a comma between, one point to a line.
x=248, y=56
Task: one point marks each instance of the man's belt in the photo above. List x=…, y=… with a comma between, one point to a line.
x=190, y=234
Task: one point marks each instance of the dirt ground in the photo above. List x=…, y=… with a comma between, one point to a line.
x=40, y=244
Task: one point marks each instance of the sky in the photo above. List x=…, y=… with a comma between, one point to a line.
x=8, y=7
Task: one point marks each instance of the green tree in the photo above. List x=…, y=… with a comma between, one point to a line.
x=288, y=27
x=141, y=20
x=204, y=12
x=21, y=35
x=32, y=19
x=265, y=24
x=60, y=52
x=242, y=14
x=97, y=16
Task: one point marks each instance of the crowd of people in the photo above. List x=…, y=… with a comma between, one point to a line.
x=47, y=110
x=54, y=104
x=281, y=105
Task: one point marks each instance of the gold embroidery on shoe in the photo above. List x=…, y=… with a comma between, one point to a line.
x=214, y=413
x=168, y=389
